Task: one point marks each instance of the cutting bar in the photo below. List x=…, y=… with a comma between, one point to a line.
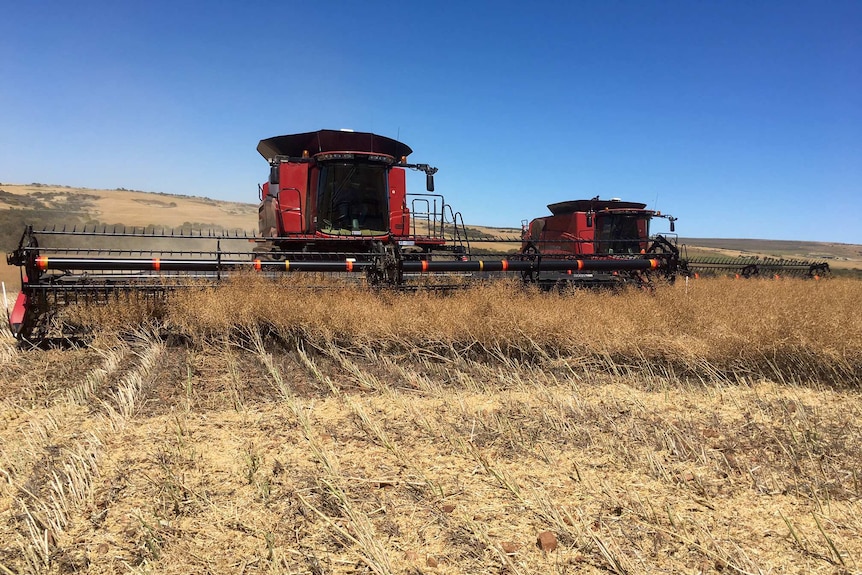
x=46, y=263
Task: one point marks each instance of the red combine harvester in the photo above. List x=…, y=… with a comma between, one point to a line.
x=336, y=202
x=335, y=191
x=615, y=230
x=598, y=230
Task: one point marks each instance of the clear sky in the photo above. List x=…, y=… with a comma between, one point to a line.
x=741, y=118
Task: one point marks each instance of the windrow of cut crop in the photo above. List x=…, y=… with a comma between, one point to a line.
x=793, y=331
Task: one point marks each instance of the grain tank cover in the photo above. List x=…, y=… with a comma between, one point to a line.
x=331, y=141
x=562, y=208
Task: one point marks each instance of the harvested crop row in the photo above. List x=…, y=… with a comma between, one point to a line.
x=53, y=470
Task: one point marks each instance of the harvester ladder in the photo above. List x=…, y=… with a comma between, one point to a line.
x=459, y=231
x=432, y=215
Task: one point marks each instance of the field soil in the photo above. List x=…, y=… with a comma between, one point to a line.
x=708, y=427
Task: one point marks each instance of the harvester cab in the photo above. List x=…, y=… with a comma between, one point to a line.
x=339, y=190
x=593, y=226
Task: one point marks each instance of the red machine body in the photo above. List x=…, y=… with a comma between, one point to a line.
x=335, y=190
x=591, y=228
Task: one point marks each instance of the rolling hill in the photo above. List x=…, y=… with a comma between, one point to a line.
x=49, y=205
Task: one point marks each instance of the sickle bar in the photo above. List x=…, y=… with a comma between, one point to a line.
x=45, y=263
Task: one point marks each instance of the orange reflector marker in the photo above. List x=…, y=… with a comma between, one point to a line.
x=505, y=265
x=287, y=265
x=481, y=265
x=424, y=265
x=157, y=264
x=580, y=265
x=42, y=262
x=257, y=265
x=653, y=264
x=349, y=265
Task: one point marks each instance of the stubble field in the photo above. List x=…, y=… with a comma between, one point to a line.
x=709, y=427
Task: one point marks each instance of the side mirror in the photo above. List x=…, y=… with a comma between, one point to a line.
x=672, y=227
x=429, y=182
x=589, y=220
x=273, y=174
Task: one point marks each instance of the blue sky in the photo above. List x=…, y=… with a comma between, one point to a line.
x=742, y=118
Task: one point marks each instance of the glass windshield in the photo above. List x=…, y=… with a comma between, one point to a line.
x=352, y=199
x=620, y=233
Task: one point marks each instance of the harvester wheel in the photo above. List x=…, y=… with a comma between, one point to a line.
x=385, y=270
x=670, y=254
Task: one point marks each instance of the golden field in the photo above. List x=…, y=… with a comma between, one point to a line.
x=264, y=427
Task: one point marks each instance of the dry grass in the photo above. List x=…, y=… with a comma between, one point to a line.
x=708, y=429
x=791, y=331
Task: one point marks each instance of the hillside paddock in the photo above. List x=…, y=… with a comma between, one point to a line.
x=709, y=427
